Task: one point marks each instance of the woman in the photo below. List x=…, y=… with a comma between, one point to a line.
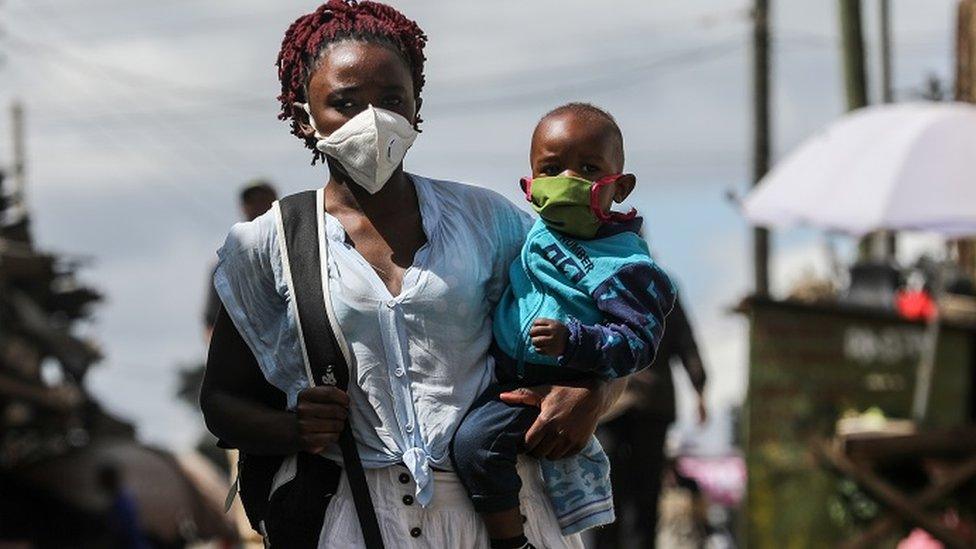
x=415, y=266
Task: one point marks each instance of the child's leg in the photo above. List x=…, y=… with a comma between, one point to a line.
x=504, y=525
x=485, y=452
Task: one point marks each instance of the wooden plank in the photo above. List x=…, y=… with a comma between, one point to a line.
x=906, y=507
x=942, y=443
x=881, y=528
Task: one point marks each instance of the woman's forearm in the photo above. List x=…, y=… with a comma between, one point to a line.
x=235, y=399
x=613, y=391
x=250, y=426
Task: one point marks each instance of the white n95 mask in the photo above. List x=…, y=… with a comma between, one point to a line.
x=369, y=146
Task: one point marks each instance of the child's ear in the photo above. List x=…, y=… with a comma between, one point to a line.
x=625, y=186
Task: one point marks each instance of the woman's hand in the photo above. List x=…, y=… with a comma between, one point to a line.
x=568, y=415
x=321, y=414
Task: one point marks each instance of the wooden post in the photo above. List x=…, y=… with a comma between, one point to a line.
x=19, y=168
x=884, y=14
x=855, y=74
x=889, y=239
x=852, y=40
x=966, y=51
x=761, y=143
x=966, y=91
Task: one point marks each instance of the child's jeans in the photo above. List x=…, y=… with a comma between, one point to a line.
x=492, y=434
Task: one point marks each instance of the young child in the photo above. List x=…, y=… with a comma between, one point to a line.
x=585, y=301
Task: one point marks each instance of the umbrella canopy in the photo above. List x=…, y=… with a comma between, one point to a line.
x=171, y=506
x=907, y=166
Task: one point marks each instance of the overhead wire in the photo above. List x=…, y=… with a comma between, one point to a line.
x=140, y=143
x=198, y=148
x=139, y=149
x=228, y=98
x=618, y=77
x=231, y=107
x=120, y=75
x=627, y=69
x=632, y=65
x=125, y=148
x=707, y=19
x=220, y=102
x=207, y=97
x=631, y=72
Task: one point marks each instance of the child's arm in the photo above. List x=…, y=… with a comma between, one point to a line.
x=634, y=302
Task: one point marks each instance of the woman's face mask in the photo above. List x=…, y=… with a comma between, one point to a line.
x=571, y=204
x=369, y=146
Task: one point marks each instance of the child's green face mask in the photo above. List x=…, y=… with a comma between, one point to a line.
x=571, y=204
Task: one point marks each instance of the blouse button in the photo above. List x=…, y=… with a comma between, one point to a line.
x=415, y=532
x=404, y=478
x=391, y=303
x=408, y=499
x=409, y=427
x=398, y=372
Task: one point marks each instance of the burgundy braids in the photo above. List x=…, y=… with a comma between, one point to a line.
x=333, y=22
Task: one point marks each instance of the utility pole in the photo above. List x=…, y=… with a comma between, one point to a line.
x=19, y=168
x=966, y=51
x=884, y=14
x=855, y=74
x=966, y=91
x=761, y=143
x=852, y=40
x=889, y=238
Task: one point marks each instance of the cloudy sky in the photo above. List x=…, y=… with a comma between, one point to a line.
x=144, y=119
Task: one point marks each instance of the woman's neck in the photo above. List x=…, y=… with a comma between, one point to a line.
x=396, y=196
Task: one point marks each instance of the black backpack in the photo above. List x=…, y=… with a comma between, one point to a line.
x=292, y=515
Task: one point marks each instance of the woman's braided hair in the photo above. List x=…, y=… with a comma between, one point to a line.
x=333, y=22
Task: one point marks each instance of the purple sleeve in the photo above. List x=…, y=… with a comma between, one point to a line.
x=634, y=302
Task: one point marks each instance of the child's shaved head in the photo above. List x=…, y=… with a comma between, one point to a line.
x=592, y=115
x=580, y=140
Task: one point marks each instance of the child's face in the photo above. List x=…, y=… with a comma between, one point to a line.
x=581, y=146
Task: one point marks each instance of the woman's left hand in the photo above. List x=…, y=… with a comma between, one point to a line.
x=568, y=416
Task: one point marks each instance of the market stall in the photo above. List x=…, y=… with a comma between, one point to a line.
x=829, y=369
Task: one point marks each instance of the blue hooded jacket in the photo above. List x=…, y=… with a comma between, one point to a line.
x=607, y=290
x=614, y=300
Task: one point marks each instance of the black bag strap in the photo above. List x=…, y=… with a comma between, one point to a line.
x=302, y=224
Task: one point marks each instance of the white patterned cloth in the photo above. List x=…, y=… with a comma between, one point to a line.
x=448, y=521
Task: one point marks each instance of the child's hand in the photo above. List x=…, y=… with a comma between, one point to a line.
x=549, y=336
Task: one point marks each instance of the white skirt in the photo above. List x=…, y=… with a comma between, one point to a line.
x=449, y=521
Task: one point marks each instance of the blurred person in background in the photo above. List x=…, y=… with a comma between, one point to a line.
x=635, y=431
x=124, y=529
x=255, y=198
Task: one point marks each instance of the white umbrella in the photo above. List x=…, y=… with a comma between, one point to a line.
x=906, y=166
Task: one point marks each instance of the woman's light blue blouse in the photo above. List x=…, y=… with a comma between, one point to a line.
x=419, y=358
